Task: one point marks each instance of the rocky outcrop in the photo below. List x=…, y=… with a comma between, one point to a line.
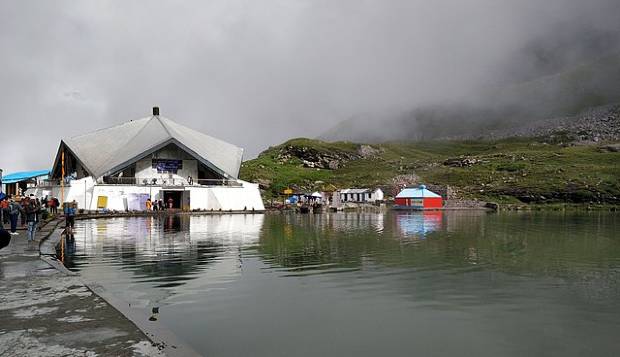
x=263, y=184
x=313, y=158
x=611, y=148
x=367, y=151
x=570, y=193
x=462, y=162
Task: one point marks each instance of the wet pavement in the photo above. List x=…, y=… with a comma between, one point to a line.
x=46, y=312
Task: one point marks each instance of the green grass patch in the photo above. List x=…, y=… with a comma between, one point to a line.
x=508, y=171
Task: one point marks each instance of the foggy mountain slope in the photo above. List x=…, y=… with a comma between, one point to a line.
x=565, y=93
x=591, y=126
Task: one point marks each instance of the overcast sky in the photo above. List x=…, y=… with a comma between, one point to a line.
x=254, y=72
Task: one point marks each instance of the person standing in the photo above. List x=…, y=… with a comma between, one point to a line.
x=32, y=213
x=14, y=209
x=70, y=209
x=4, y=207
x=170, y=203
x=55, y=205
x=148, y=204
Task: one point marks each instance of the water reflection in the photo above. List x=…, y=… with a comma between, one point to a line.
x=417, y=225
x=367, y=282
x=181, y=246
x=162, y=253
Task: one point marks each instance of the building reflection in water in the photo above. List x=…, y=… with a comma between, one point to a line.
x=167, y=251
x=417, y=225
x=342, y=222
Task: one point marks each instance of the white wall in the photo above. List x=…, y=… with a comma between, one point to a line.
x=86, y=193
x=236, y=198
x=377, y=195
x=145, y=170
x=79, y=190
x=117, y=195
x=199, y=197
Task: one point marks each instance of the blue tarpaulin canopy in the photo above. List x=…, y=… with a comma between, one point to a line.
x=22, y=176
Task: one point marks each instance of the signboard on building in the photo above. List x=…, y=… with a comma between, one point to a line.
x=167, y=166
x=102, y=202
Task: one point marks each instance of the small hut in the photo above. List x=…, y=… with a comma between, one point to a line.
x=419, y=198
x=361, y=195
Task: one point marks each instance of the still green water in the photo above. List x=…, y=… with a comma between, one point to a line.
x=367, y=284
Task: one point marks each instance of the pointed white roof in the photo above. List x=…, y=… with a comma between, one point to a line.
x=106, y=151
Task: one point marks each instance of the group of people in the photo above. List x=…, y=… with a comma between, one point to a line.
x=28, y=209
x=52, y=204
x=158, y=205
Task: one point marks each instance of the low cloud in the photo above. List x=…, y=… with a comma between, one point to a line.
x=256, y=73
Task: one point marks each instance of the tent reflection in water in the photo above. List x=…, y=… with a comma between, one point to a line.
x=152, y=156
x=419, y=224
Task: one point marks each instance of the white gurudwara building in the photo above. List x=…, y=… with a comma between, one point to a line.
x=118, y=168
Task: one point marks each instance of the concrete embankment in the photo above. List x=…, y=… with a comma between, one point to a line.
x=48, y=311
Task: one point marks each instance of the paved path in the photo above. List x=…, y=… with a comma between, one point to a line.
x=44, y=312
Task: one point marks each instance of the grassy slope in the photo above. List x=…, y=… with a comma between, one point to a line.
x=510, y=171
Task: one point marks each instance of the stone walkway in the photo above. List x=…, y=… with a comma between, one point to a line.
x=44, y=312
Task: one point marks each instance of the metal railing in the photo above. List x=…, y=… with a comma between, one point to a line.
x=159, y=181
x=154, y=181
x=52, y=182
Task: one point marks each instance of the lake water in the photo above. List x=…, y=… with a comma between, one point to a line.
x=367, y=284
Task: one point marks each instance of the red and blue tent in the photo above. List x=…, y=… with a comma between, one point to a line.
x=419, y=198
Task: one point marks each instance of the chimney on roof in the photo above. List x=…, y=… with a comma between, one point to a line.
x=155, y=111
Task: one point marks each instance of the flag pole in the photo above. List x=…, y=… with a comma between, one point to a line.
x=62, y=177
x=62, y=200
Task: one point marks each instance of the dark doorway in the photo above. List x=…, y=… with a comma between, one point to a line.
x=176, y=199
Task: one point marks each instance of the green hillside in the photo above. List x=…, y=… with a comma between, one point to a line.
x=505, y=171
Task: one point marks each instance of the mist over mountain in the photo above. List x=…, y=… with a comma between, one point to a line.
x=563, y=72
x=257, y=73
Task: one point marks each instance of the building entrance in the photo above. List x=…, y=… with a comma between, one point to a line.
x=172, y=199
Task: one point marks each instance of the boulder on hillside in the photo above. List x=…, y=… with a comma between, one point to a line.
x=461, y=162
x=367, y=151
x=611, y=148
x=263, y=184
x=313, y=158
